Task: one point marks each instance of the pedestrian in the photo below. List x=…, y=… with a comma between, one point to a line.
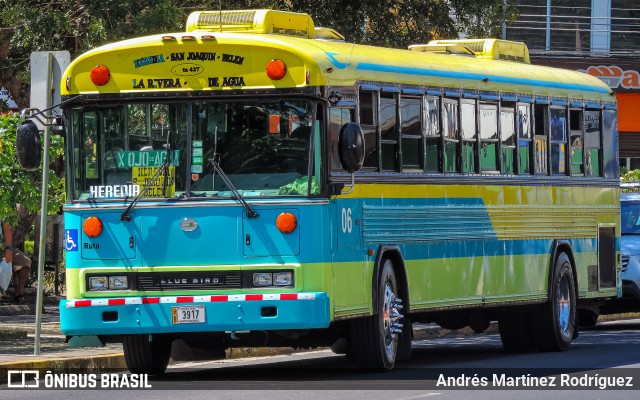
x=21, y=263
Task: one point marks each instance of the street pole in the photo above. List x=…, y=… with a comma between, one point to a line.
x=43, y=218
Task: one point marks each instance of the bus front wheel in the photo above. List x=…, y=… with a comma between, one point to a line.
x=555, y=321
x=374, y=340
x=147, y=354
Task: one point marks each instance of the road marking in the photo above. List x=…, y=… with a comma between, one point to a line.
x=420, y=396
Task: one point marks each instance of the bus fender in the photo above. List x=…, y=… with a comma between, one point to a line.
x=393, y=252
x=561, y=245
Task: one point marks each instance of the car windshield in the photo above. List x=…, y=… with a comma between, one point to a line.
x=263, y=147
x=630, y=217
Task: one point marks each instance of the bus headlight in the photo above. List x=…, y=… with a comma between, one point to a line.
x=282, y=279
x=118, y=282
x=98, y=283
x=262, y=279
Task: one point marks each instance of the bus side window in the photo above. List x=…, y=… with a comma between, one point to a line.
x=508, y=139
x=576, y=142
x=368, y=117
x=431, y=118
x=541, y=152
x=523, y=128
x=389, y=131
x=592, y=148
x=489, y=138
x=469, y=135
x=451, y=133
x=337, y=118
x=558, y=141
x=411, y=135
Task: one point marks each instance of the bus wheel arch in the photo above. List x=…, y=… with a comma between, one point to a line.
x=561, y=246
x=394, y=254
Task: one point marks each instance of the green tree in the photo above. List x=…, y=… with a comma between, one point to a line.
x=20, y=190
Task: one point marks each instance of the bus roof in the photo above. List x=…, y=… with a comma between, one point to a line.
x=236, y=59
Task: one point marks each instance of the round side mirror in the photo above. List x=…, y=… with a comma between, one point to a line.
x=351, y=147
x=28, y=145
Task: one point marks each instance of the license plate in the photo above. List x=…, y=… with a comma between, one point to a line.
x=188, y=315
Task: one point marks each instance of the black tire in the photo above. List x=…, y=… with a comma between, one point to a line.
x=515, y=330
x=146, y=354
x=555, y=321
x=372, y=343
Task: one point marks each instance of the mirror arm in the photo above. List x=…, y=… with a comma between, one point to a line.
x=47, y=118
x=353, y=184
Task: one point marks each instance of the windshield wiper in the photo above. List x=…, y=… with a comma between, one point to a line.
x=125, y=215
x=215, y=161
x=163, y=169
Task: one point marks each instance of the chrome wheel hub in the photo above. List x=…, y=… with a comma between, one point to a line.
x=564, y=306
x=392, y=320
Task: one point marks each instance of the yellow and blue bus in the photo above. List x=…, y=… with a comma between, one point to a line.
x=257, y=181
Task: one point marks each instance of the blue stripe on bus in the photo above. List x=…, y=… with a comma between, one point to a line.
x=479, y=77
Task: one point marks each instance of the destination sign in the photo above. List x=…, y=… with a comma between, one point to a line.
x=148, y=158
x=142, y=176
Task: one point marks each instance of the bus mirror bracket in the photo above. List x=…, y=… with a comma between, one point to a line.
x=351, y=150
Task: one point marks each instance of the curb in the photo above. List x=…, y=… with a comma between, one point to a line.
x=17, y=309
x=85, y=364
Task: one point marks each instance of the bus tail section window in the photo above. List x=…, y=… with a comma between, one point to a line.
x=410, y=130
x=592, y=147
x=451, y=132
x=523, y=128
x=431, y=116
x=508, y=140
x=558, y=140
x=469, y=135
x=541, y=153
x=489, y=137
x=389, y=131
x=337, y=118
x=368, y=114
x=576, y=142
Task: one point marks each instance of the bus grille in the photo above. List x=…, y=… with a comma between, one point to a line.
x=625, y=262
x=202, y=280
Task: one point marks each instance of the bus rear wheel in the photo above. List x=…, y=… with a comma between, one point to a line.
x=374, y=340
x=555, y=321
x=147, y=354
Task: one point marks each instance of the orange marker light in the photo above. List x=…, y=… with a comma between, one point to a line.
x=92, y=227
x=276, y=69
x=286, y=222
x=100, y=75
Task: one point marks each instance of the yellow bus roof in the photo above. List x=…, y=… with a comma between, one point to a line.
x=210, y=60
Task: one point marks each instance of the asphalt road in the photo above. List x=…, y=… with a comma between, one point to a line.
x=608, y=355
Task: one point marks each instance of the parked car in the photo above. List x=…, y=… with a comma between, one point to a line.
x=630, y=259
x=630, y=249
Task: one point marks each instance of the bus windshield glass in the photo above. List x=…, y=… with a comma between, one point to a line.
x=166, y=150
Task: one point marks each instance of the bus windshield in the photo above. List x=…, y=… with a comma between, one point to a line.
x=263, y=147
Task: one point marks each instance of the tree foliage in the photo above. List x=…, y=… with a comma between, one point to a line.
x=20, y=190
x=79, y=25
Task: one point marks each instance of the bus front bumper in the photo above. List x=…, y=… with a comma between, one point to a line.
x=215, y=313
